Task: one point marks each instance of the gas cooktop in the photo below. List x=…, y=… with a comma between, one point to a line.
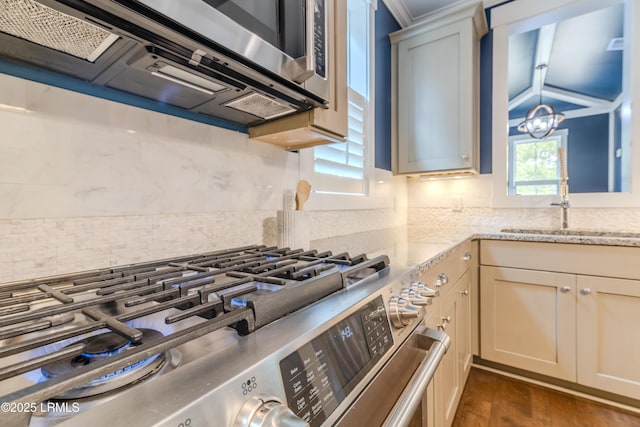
x=67, y=342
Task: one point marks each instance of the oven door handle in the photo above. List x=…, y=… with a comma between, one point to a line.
x=436, y=345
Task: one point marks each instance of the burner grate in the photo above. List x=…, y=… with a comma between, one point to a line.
x=244, y=288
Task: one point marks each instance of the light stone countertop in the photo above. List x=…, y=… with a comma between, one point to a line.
x=409, y=252
x=581, y=237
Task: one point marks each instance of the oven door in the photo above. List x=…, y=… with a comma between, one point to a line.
x=286, y=37
x=398, y=394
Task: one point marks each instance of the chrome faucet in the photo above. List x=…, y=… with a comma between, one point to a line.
x=564, y=190
x=564, y=213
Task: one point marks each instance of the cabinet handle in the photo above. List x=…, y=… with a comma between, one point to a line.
x=442, y=280
x=467, y=256
x=445, y=322
x=585, y=291
x=565, y=289
x=465, y=292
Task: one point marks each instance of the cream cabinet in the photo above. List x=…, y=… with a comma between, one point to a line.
x=451, y=313
x=436, y=92
x=529, y=320
x=565, y=311
x=453, y=373
x=608, y=340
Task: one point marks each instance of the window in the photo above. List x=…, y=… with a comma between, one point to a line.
x=534, y=167
x=342, y=168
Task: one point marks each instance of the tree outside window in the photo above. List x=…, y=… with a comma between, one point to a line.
x=534, y=166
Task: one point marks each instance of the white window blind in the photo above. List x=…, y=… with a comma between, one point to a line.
x=343, y=166
x=346, y=160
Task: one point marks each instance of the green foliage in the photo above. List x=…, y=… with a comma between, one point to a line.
x=536, y=163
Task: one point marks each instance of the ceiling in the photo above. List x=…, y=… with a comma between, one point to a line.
x=584, y=72
x=582, y=75
x=408, y=12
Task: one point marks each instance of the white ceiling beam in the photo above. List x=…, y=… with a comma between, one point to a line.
x=573, y=114
x=546, y=35
x=577, y=98
x=522, y=98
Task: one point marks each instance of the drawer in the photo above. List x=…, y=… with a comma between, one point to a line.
x=453, y=266
x=592, y=260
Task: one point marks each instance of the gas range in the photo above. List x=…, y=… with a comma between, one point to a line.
x=194, y=339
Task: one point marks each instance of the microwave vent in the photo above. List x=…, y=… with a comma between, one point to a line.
x=34, y=22
x=261, y=106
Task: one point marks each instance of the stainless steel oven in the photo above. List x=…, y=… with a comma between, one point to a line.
x=397, y=396
x=250, y=336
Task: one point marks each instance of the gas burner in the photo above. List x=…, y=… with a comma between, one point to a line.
x=219, y=294
x=97, y=348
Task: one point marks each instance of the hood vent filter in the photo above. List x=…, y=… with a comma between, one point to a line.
x=40, y=24
x=261, y=106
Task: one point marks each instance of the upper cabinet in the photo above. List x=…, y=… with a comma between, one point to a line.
x=436, y=93
x=318, y=126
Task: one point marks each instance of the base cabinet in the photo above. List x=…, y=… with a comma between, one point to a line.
x=576, y=327
x=454, y=318
x=608, y=314
x=528, y=320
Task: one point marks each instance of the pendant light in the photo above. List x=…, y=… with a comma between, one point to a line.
x=542, y=120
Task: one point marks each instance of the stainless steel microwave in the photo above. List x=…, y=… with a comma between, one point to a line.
x=286, y=37
x=243, y=61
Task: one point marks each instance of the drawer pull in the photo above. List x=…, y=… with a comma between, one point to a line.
x=442, y=280
x=585, y=291
x=467, y=256
x=565, y=289
x=445, y=322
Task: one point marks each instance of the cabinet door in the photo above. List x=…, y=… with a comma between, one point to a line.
x=528, y=320
x=608, y=314
x=435, y=83
x=465, y=356
x=454, y=316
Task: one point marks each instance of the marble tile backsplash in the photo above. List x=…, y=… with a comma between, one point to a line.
x=438, y=223
x=39, y=247
x=121, y=162
x=87, y=183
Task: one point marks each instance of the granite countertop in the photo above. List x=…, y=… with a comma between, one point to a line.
x=407, y=252
x=573, y=236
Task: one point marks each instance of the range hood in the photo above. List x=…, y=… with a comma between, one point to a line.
x=130, y=47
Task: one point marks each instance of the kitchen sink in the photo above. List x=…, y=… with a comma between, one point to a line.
x=572, y=232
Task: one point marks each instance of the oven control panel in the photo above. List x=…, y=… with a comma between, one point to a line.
x=320, y=374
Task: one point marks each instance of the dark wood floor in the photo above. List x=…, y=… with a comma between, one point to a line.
x=492, y=400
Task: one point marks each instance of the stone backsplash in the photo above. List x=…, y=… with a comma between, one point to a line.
x=31, y=248
x=437, y=222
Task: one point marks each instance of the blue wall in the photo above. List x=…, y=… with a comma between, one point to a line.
x=486, y=99
x=385, y=23
x=588, y=154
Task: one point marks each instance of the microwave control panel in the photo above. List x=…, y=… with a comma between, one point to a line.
x=320, y=38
